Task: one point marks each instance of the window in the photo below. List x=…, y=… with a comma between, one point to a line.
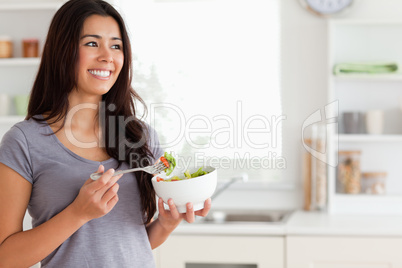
x=209, y=73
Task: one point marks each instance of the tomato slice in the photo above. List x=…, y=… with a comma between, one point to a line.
x=164, y=161
x=158, y=179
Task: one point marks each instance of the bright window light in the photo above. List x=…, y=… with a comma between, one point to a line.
x=209, y=71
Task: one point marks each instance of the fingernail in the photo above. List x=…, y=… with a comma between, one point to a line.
x=190, y=206
x=170, y=201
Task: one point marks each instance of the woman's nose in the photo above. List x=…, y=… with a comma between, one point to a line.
x=105, y=55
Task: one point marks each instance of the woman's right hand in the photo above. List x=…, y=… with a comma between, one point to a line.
x=97, y=198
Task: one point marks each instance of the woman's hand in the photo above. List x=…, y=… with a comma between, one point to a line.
x=169, y=219
x=160, y=229
x=97, y=198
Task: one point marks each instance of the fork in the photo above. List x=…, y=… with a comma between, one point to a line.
x=152, y=169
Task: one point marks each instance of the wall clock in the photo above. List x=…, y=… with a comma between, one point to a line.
x=326, y=7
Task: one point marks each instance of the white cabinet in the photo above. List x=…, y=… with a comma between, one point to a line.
x=343, y=252
x=213, y=251
x=367, y=41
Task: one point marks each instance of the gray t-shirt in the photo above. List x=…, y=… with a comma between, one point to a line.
x=118, y=239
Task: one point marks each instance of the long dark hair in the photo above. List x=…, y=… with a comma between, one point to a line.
x=56, y=78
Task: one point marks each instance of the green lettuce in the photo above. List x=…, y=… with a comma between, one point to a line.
x=172, y=163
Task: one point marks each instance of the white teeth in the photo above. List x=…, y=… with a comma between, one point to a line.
x=100, y=73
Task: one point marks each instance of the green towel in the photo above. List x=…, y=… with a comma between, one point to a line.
x=370, y=68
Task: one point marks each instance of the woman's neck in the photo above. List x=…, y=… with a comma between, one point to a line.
x=83, y=112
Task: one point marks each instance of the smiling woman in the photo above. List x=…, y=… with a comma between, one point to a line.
x=209, y=72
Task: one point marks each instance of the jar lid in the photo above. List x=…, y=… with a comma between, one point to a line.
x=374, y=174
x=30, y=40
x=349, y=152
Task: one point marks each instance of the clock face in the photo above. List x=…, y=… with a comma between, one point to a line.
x=328, y=7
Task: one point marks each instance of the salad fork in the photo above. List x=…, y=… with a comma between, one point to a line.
x=152, y=169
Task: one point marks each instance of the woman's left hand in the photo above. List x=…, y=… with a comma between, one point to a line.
x=169, y=219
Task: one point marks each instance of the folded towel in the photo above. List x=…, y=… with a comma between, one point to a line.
x=370, y=68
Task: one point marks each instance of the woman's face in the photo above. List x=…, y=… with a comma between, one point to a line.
x=100, y=55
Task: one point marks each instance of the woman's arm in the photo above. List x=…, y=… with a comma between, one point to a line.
x=20, y=248
x=160, y=229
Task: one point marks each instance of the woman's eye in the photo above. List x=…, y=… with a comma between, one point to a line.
x=116, y=46
x=91, y=44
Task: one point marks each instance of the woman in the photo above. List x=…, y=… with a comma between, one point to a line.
x=45, y=160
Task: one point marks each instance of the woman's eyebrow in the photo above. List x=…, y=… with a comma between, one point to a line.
x=99, y=37
x=91, y=35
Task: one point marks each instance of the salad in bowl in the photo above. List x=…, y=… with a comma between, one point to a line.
x=193, y=185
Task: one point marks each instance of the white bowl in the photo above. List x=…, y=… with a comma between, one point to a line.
x=194, y=190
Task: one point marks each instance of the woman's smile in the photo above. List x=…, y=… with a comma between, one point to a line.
x=100, y=74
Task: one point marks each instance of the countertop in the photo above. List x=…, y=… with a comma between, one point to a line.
x=320, y=223
x=306, y=223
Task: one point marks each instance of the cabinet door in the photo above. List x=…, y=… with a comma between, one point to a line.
x=343, y=252
x=187, y=251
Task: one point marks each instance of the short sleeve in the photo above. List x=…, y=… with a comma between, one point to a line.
x=153, y=143
x=14, y=153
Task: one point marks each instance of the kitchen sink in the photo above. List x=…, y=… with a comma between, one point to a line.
x=245, y=217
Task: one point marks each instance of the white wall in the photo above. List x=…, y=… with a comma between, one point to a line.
x=304, y=50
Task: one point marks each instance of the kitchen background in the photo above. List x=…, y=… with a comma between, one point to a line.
x=348, y=233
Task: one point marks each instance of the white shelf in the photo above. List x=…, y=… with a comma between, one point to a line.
x=30, y=6
x=367, y=138
x=7, y=62
x=366, y=22
x=359, y=40
x=11, y=119
x=368, y=77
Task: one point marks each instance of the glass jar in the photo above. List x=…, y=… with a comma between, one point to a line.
x=373, y=182
x=6, y=47
x=349, y=172
x=30, y=48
